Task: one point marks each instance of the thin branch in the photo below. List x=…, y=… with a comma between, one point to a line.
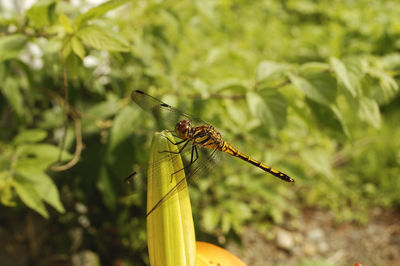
x=66, y=106
x=78, y=147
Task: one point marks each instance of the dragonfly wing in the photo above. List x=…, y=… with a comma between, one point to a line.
x=153, y=105
x=192, y=170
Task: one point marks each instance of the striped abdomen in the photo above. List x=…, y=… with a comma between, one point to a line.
x=234, y=152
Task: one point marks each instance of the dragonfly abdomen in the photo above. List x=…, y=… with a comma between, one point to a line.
x=234, y=152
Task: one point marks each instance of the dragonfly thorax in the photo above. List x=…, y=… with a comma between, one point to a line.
x=183, y=129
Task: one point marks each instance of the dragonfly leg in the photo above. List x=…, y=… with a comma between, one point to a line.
x=166, y=196
x=176, y=143
x=194, y=147
x=180, y=182
x=181, y=149
x=194, y=150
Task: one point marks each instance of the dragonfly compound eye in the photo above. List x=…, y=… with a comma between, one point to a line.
x=182, y=128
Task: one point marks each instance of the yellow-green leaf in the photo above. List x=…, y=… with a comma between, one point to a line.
x=30, y=136
x=77, y=47
x=102, y=39
x=27, y=193
x=98, y=11
x=65, y=22
x=12, y=45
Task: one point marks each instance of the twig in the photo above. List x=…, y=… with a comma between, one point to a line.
x=78, y=147
x=66, y=106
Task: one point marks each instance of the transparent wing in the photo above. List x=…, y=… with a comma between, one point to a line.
x=169, y=116
x=161, y=109
x=192, y=170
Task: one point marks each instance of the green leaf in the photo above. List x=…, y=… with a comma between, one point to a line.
x=98, y=11
x=11, y=46
x=269, y=106
x=368, y=111
x=388, y=87
x=314, y=67
x=328, y=116
x=123, y=126
x=342, y=75
x=42, y=13
x=104, y=109
x=210, y=218
x=30, y=136
x=11, y=92
x=106, y=188
x=66, y=47
x=77, y=47
x=37, y=157
x=102, y=39
x=27, y=193
x=318, y=86
x=319, y=160
x=277, y=103
x=232, y=86
x=271, y=73
x=6, y=193
x=226, y=223
x=238, y=112
x=259, y=109
x=45, y=188
x=65, y=23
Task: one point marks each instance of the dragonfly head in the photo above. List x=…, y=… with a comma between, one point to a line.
x=182, y=128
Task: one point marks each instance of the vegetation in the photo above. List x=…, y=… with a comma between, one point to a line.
x=308, y=87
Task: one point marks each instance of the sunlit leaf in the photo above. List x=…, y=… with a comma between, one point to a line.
x=277, y=104
x=329, y=116
x=387, y=88
x=6, y=193
x=12, y=93
x=319, y=160
x=232, y=86
x=11, y=46
x=28, y=194
x=226, y=223
x=343, y=75
x=123, y=126
x=98, y=11
x=269, y=106
x=30, y=136
x=102, y=39
x=42, y=13
x=210, y=219
x=65, y=22
x=271, y=73
x=368, y=111
x=77, y=47
x=45, y=188
x=38, y=157
x=318, y=86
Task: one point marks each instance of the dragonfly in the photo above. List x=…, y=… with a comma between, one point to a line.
x=199, y=134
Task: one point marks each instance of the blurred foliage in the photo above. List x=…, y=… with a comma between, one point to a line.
x=309, y=87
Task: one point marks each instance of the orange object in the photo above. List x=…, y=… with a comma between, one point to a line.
x=211, y=255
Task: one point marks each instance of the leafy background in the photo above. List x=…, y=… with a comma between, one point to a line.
x=310, y=87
